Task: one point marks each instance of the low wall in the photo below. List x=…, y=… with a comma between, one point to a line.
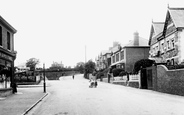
x=134, y=84
x=5, y=92
x=124, y=83
x=170, y=81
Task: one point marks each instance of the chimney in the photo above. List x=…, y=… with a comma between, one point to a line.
x=136, y=39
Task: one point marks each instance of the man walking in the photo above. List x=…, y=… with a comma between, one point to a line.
x=73, y=76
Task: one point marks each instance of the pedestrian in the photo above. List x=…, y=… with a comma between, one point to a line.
x=73, y=76
x=14, y=87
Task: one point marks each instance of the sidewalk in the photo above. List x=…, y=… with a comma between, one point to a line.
x=22, y=102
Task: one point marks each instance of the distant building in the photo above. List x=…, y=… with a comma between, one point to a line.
x=167, y=39
x=126, y=56
x=7, y=53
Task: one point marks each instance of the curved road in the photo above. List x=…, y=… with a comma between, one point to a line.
x=74, y=97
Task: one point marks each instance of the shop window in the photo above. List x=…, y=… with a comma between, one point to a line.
x=1, y=36
x=8, y=40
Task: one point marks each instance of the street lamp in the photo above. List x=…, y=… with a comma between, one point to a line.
x=44, y=84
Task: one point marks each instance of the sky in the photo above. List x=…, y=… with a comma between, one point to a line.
x=61, y=30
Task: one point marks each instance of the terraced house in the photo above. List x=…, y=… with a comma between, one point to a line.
x=7, y=54
x=166, y=38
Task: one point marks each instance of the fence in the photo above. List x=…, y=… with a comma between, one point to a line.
x=135, y=77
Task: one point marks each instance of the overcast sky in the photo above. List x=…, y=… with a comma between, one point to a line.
x=59, y=30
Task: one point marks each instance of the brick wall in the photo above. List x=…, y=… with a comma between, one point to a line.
x=170, y=81
x=133, y=55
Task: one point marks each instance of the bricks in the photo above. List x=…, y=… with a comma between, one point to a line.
x=169, y=81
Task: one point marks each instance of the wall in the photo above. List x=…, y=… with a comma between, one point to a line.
x=133, y=55
x=181, y=46
x=5, y=92
x=170, y=81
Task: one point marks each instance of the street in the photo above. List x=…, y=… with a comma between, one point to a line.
x=74, y=97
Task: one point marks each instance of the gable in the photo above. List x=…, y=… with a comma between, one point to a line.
x=156, y=31
x=169, y=25
x=177, y=15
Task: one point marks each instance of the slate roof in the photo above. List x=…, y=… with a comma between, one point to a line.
x=142, y=42
x=157, y=27
x=106, y=52
x=115, y=49
x=177, y=15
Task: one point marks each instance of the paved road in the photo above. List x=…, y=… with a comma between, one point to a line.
x=74, y=97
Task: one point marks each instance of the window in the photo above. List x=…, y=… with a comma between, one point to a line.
x=1, y=36
x=113, y=59
x=157, y=49
x=172, y=43
x=162, y=47
x=8, y=40
x=168, y=45
x=117, y=57
x=122, y=55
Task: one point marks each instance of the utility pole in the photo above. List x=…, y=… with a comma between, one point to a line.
x=44, y=84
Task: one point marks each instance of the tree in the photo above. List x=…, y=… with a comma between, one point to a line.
x=117, y=71
x=31, y=63
x=56, y=66
x=89, y=66
x=142, y=63
x=80, y=67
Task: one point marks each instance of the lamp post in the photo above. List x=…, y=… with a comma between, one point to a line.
x=44, y=84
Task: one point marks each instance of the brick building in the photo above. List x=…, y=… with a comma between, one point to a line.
x=126, y=56
x=7, y=54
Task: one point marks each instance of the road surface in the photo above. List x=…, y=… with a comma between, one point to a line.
x=74, y=97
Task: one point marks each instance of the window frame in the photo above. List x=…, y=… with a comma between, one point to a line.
x=8, y=41
x=1, y=36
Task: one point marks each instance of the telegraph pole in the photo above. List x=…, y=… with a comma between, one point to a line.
x=44, y=84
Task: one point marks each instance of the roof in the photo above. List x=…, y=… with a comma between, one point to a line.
x=142, y=42
x=115, y=49
x=106, y=52
x=7, y=24
x=177, y=15
x=157, y=28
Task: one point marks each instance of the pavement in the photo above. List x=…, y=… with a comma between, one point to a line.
x=23, y=101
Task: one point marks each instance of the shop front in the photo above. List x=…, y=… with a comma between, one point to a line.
x=6, y=69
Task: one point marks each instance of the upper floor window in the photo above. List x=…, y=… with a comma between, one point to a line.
x=162, y=47
x=157, y=49
x=172, y=43
x=113, y=59
x=117, y=57
x=1, y=36
x=168, y=45
x=8, y=40
x=122, y=55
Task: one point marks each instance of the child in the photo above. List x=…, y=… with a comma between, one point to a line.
x=93, y=84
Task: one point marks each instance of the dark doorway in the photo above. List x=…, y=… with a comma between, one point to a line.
x=144, y=84
x=149, y=78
